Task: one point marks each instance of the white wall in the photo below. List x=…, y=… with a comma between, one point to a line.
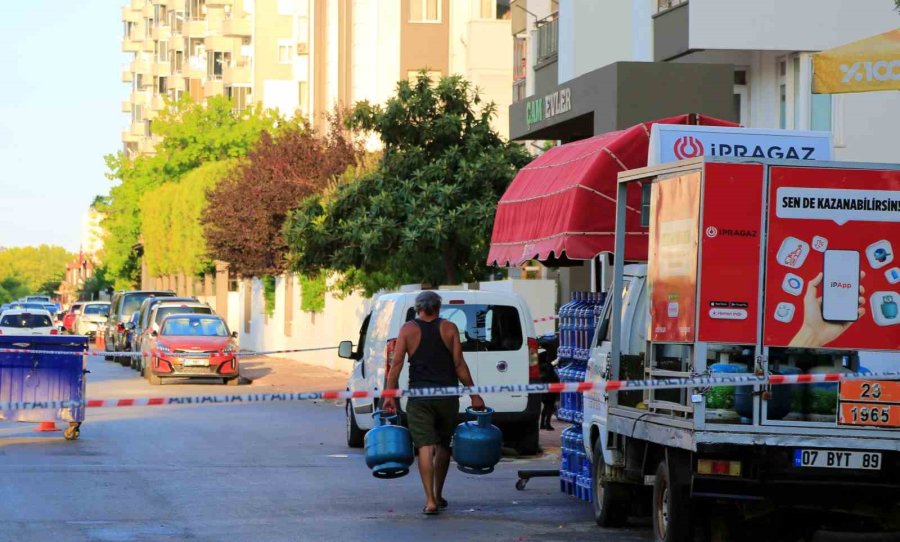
x=593, y=34
x=539, y=295
x=376, y=49
x=793, y=25
x=488, y=50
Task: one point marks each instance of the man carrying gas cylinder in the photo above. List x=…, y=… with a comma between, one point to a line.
x=435, y=360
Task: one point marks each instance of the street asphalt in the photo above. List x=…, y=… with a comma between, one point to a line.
x=251, y=472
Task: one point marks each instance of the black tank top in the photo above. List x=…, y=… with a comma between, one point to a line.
x=431, y=365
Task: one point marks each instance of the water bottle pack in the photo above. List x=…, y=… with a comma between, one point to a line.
x=578, y=320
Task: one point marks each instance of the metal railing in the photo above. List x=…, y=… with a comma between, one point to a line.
x=547, y=34
x=518, y=90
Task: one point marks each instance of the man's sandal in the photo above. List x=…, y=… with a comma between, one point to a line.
x=428, y=512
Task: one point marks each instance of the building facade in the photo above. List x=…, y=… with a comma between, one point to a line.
x=767, y=43
x=305, y=56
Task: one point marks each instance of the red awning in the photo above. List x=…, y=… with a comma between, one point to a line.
x=562, y=204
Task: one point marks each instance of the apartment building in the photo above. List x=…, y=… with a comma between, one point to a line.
x=305, y=56
x=569, y=44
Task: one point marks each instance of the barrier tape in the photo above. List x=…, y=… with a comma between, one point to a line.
x=545, y=319
x=559, y=387
x=239, y=353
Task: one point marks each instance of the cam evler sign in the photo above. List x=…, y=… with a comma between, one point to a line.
x=672, y=142
x=549, y=106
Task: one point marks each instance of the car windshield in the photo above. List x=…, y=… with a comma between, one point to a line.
x=133, y=302
x=25, y=320
x=95, y=309
x=162, y=312
x=35, y=306
x=197, y=326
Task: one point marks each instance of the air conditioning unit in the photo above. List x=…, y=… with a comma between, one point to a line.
x=302, y=48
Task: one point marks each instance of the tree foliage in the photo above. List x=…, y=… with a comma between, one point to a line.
x=35, y=268
x=97, y=283
x=244, y=219
x=11, y=289
x=170, y=218
x=425, y=214
x=193, y=134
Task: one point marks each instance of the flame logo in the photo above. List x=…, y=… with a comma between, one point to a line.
x=687, y=147
x=712, y=231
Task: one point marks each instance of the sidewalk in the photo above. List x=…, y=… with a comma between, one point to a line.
x=292, y=375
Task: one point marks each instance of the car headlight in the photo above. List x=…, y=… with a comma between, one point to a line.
x=160, y=347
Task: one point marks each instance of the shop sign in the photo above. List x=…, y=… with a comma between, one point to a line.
x=549, y=106
x=671, y=142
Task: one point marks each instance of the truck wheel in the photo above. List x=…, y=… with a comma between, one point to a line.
x=671, y=507
x=355, y=435
x=610, y=498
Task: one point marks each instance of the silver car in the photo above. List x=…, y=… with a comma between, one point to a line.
x=92, y=317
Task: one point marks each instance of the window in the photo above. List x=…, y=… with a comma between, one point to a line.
x=176, y=21
x=782, y=94
x=820, y=112
x=239, y=96
x=162, y=312
x=487, y=9
x=216, y=62
x=176, y=61
x=195, y=10
x=159, y=13
x=148, y=26
x=483, y=328
x=741, y=96
x=162, y=85
x=424, y=11
x=284, y=53
x=26, y=320
x=162, y=51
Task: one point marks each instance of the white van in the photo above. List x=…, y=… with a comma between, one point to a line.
x=498, y=343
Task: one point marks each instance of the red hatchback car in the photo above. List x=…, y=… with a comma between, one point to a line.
x=68, y=321
x=193, y=346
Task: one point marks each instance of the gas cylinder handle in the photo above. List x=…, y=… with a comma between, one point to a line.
x=482, y=417
x=379, y=415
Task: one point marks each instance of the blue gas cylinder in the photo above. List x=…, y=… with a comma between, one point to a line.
x=476, y=445
x=389, y=447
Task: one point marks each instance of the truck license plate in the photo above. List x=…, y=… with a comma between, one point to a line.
x=196, y=363
x=837, y=459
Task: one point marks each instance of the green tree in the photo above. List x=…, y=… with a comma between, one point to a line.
x=98, y=282
x=11, y=289
x=193, y=134
x=36, y=268
x=426, y=213
x=170, y=218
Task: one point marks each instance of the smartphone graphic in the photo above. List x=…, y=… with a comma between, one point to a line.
x=840, y=286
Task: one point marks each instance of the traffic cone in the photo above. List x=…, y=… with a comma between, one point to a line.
x=46, y=427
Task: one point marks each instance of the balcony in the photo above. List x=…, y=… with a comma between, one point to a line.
x=195, y=68
x=671, y=31
x=148, y=46
x=237, y=27
x=518, y=90
x=219, y=43
x=127, y=74
x=130, y=15
x=547, y=35
x=140, y=66
x=219, y=2
x=237, y=75
x=195, y=28
x=130, y=46
x=162, y=69
x=128, y=137
x=161, y=32
x=214, y=87
x=126, y=106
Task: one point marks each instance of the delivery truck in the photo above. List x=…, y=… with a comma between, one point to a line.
x=758, y=268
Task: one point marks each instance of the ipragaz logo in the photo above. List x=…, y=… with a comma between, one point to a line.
x=712, y=231
x=687, y=147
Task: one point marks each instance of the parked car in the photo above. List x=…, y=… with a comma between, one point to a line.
x=70, y=316
x=38, y=299
x=52, y=308
x=140, y=331
x=192, y=346
x=157, y=313
x=27, y=322
x=498, y=342
x=121, y=307
x=92, y=316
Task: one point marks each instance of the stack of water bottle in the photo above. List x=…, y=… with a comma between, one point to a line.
x=577, y=320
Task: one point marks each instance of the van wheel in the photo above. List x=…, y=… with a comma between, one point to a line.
x=610, y=498
x=671, y=507
x=355, y=435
